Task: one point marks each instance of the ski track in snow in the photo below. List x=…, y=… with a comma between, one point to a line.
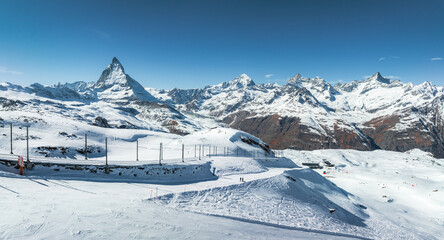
x=60, y=209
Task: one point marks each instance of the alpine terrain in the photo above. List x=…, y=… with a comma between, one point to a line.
x=112, y=159
x=309, y=113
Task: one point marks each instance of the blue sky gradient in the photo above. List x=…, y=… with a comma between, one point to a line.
x=188, y=44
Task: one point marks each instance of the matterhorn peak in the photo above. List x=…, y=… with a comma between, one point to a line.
x=115, y=85
x=113, y=74
x=115, y=60
x=378, y=77
x=116, y=65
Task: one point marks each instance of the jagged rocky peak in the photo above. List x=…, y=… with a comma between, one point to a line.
x=426, y=88
x=112, y=75
x=116, y=65
x=319, y=83
x=115, y=85
x=241, y=81
x=378, y=77
x=296, y=79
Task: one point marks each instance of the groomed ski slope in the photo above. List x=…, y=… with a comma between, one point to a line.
x=277, y=199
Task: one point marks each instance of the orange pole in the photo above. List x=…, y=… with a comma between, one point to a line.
x=21, y=170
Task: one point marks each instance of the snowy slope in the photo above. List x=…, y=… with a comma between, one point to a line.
x=56, y=209
x=370, y=200
x=405, y=188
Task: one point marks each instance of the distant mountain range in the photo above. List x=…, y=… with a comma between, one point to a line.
x=305, y=113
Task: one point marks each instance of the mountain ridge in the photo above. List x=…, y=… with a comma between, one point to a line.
x=305, y=113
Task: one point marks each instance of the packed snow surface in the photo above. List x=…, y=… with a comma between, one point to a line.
x=249, y=194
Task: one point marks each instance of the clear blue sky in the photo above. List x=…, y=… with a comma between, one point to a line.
x=187, y=44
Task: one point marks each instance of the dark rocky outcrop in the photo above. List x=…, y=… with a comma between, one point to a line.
x=287, y=132
x=101, y=122
x=421, y=134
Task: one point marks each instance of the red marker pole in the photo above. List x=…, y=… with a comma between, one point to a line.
x=20, y=163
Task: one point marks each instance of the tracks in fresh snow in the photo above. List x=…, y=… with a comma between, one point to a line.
x=338, y=234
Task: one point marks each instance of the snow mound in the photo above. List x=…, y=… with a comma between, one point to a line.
x=403, y=189
x=297, y=198
x=419, y=153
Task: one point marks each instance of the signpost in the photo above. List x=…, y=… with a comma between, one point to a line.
x=21, y=164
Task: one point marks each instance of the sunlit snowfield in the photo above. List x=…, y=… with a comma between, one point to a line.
x=379, y=194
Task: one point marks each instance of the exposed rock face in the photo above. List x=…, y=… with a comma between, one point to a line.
x=7, y=104
x=421, y=133
x=288, y=132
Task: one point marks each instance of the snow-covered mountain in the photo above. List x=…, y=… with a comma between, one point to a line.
x=310, y=113
x=305, y=113
x=114, y=101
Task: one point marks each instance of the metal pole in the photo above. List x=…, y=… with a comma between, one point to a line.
x=106, y=152
x=106, y=156
x=137, y=150
x=27, y=144
x=195, y=151
x=10, y=125
x=183, y=152
x=86, y=147
x=160, y=154
x=216, y=150
x=200, y=151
